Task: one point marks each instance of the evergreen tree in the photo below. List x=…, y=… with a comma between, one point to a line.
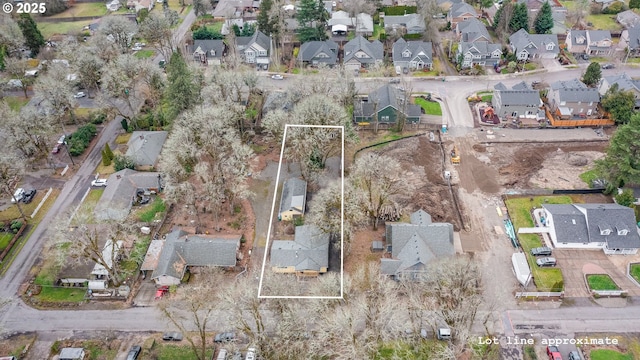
x=107, y=150
x=619, y=104
x=497, y=16
x=105, y=159
x=264, y=22
x=592, y=75
x=182, y=92
x=621, y=165
x=520, y=18
x=33, y=38
x=544, y=20
x=634, y=4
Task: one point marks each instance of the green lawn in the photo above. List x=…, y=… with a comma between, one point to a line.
x=67, y=27
x=487, y=98
x=148, y=213
x=601, y=282
x=606, y=354
x=430, y=107
x=83, y=9
x=589, y=176
x=57, y=294
x=519, y=211
x=16, y=102
x=216, y=25
x=4, y=239
x=604, y=22
x=377, y=30
x=174, y=352
x=144, y=54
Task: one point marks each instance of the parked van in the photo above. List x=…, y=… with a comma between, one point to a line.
x=222, y=354
x=444, y=334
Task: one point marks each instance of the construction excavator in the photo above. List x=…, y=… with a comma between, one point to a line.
x=455, y=155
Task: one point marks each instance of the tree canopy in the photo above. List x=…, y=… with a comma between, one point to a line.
x=520, y=18
x=619, y=104
x=621, y=165
x=33, y=38
x=592, y=75
x=544, y=21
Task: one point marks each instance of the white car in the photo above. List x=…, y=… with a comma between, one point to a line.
x=79, y=95
x=251, y=354
x=136, y=48
x=277, y=77
x=17, y=196
x=99, y=182
x=62, y=139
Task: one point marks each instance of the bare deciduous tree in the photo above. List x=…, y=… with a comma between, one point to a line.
x=156, y=29
x=17, y=69
x=118, y=28
x=27, y=131
x=54, y=94
x=11, y=171
x=10, y=34
x=89, y=67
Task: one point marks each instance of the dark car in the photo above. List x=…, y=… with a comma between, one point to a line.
x=172, y=336
x=546, y=261
x=134, y=352
x=574, y=355
x=225, y=337
x=541, y=251
x=607, y=66
x=28, y=196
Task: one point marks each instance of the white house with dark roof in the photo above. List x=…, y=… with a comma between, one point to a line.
x=359, y=53
x=610, y=227
x=481, y=53
x=472, y=30
x=318, y=52
x=119, y=194
x=306, y=255
x=341, y=23
x=624, y=83
x=409, y=23
x=415, y=245
x=532, y=46
x=519, y=101
x=144, y=147
x=208, y=52
x=181, y=251
x=255, y=49
x=592, y=42
x=573, y=99
x=412, y=55
x=294, y=197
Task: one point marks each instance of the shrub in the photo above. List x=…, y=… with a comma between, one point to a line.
x=15, y=226
x=614, y=8
x=97, y=118
x=80, y=140
x=121, y=162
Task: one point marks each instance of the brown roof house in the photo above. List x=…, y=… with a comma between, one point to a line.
x=306, y=255
x=120, y=192
x=294, y=196
x=415, y=245
x=182, y=250
x=144, y=148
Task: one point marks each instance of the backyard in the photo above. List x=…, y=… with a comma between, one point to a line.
x=65, y=27
x=429, y=107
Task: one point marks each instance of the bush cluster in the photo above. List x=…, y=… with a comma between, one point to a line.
x=79, y=140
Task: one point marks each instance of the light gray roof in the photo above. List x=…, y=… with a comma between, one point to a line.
x=524, y=86
x=308, y=251
x=583, y=223
x=419, y=50
x=387, y=96
x=205, y=47
x=313, y=49
x=634, y=37
x=472, y=30
x=628, y=18
x=294, y=192
x=599, y=35
x=624, y=82
x=460, y=9
x=578, y=37
x=117, y=197
x=257, y=38
x=534, y=43
x=145, y=146
x=181, y=250
x=416, y=244
x=408, y=21
x=71, y=353
x=373, y=50
x=575, y=91
x=153, y=255
x=518, y=95
x=482, y=48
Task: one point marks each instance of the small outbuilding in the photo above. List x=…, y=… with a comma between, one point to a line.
x=521, y=268
x=71, y=354
x=377, y=246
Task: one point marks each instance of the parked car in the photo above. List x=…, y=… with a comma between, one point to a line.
x=99, y=182
x=277, y=77
x=251, y=354
x=225, y=337
x=79, y=95
x=172, y=336
x=28, y=196
x=144, y=200
x=394, y=81
x=546, y=261
x=161, y=291
x=222, y=354
x=134, y=352
x=607, y=66
x=541, y=251
x=136, y=48
x=56, y=148
x=17, y=195
x=585, y=56
x=553, y=353
x=575, y=355
x=62, y=139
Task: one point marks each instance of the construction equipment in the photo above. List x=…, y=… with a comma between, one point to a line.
x=455, y=155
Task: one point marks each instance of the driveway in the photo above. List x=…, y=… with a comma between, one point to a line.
x=551, y=65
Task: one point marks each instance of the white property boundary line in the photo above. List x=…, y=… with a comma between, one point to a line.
x=273, y=208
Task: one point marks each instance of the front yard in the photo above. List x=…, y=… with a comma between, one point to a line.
x=601, y=282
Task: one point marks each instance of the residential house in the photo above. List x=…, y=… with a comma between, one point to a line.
x=208, y=52
x=412, y=55
x=481, y=53
x=628, y=18
x=445, y=5
x=624, y=83
x=141, y=4
x=415, y=245
x=120, y=192
x=144, y=148
x=341, y=23
x=472, y=30
x=294, y=198
x=408, y=24
x=361, y=53
x=519, y=101
x=558, y=12
x=110, y=253
x=531, y=46
x=610, y=227
x=460, y=12
x=573, y=99
x=306, y=255
x=631, y=37
x=592, y=42
x=182, y=251
x=114, y=5
x=255, y=49
x=318, y=52
x=71, y=354
x=385, y=105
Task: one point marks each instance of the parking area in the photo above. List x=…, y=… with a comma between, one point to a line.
x=146, y=294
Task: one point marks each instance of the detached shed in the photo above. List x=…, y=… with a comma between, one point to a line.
x=377, y=246
x=71, y=354
x=98, y=285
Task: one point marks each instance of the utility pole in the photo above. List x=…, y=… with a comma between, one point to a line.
x=66, y=147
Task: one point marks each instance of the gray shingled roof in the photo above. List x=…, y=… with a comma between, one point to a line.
x=181, y=250
x=373, y=50
x=117, y=197
x=293, y=191
x=408, y=21
x=144, y=147
x=634, y=37
x=598, y=35
x=569, y=223
x=578, y=37
x=460, y=9
x=258, y=37
x=310, y=50
x=534, y=43
x=205, y=47
x=524, y=86
x=308, y=251
x=624, y=81
x=420, y=50
x=628, y=18
x=416, y=244
x=472, y=30
x=71, y=353
x=481, y=48
x=575, y=91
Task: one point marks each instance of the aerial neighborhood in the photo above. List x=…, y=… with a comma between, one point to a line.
x=309, y=179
